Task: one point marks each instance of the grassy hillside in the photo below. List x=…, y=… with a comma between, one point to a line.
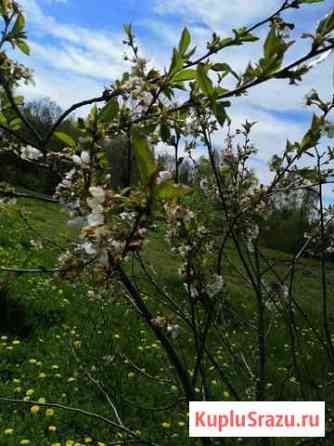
x=59, y=337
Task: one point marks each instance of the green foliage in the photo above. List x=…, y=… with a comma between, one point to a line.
x=185, y=41
x=144, y=155
x=67, y=139
x=109, y=112
x=204, y=81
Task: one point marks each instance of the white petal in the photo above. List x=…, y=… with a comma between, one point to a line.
x=95, y=219
x=85, y=157
x=89, y=248
x=77, y=160
x=164, y=175
x=98, y=193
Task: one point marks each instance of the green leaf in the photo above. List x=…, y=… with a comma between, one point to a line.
x=19, y=100
x=204, y=81
x=327, y=24
x=67, y=139
x=3, y=119
x=169, y=191
x=144, y=155
x=165, y=132
x=19, y=24
x=225, y=68
x=271, y=44
x=313, y=135
x=15, y=123
x=243, y=35
x=185, y=75
x=110, y=111
x=185, y=41
x=177, y=62
x=23, y=46
x=218, y=109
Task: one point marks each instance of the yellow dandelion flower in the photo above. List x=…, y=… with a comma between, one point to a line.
x=35, y=409
x=52, y=429
x=49, y=412
x=8, y=431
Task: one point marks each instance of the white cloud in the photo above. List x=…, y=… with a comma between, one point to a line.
x=65, y=89
x=218, y=13
x=88, y=51
x=74, y=59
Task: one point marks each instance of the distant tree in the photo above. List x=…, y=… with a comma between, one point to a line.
x=43, y=114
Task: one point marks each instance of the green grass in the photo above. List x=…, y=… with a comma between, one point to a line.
x=70, y=333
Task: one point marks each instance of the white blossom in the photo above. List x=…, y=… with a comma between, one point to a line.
x=98, y=194
x=216, y=285
x=30, y=153
x=83, y=160
x=95, y=219
x=164, y=175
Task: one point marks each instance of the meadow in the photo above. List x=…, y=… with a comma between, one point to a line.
x=66, y=342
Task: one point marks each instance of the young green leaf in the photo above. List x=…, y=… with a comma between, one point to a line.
x=271, y=44
x=3, y=119
x=171, y=191
x=19, y=24
x=185, y=41
x=15, y=123
x=144, y=155
x=219, y=111
x=177, y=62
x=327, y=24
x=185, y=75
x=67, y=139
x=204, y=81
x=110, y=111
x=23, y=46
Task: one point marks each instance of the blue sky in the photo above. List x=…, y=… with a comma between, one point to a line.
x=77, y=49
